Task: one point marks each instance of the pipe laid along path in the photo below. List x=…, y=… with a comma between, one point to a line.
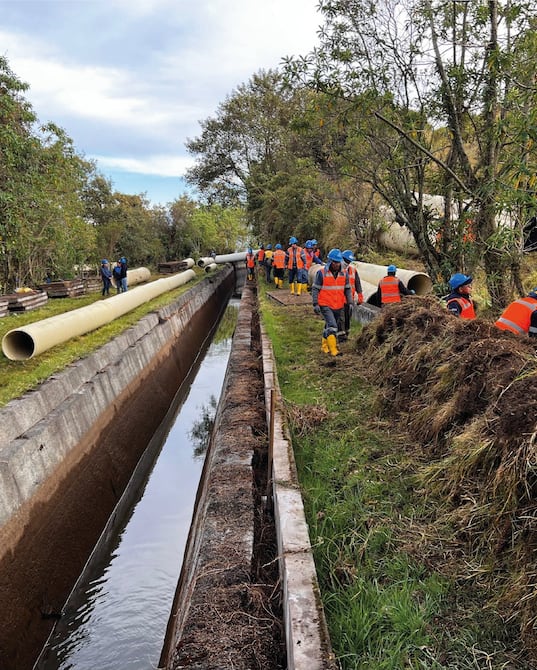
x=28, y=341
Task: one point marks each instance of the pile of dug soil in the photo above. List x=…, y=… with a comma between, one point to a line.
x=466, y=390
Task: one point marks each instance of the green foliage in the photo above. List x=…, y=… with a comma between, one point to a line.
x=41, y=224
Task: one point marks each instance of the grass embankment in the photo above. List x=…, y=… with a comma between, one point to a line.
x=387, y=606
x=18, y=377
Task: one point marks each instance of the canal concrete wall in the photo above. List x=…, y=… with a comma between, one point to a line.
x=249, y=539
x=68, y=448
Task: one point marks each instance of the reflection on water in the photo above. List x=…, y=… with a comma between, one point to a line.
x=117, y=614
x=202, y=429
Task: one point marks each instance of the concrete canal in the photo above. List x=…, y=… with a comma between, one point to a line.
x=96, y=501
x=117, y=614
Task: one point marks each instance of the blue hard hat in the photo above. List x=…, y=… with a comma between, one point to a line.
x=308, y=244
x=293, y=240
x=335, y=255
x=278, y=246
x=459, y=279
x=123, y=259
x=391, y=269
x=314, y=242
x=104, y=262
x=348, y=256
x=249, y=250
x=269, y=246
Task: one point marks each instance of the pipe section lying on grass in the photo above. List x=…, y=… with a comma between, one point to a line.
x=138, y=276
x=223, y=258
x=28, y=341
x=211, y=267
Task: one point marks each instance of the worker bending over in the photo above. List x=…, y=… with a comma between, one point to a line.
x=520, y=317
x=390, y=289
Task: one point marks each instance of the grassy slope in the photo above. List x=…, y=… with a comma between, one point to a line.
x=386, y=609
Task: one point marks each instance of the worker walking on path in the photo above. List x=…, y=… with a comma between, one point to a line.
x=331, y=290
x=295, y=261
x=390, y=288
x=459, y=301
x=520, y=317
x=250, y=263
x=344, y=325
x=278, y=263
x=268, y=262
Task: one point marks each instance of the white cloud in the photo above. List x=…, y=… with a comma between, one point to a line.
x=129, y=80
x=163, y=165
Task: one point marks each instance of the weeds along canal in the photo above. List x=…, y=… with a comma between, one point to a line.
x=117, y=613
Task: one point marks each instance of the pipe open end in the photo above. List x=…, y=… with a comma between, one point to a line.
x=420, y=283
x=17, y=345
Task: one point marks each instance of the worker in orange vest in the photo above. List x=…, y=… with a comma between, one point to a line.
x=344, y=324
x=330, y=291
x=250, y=263
x=520, y=317
x=278, y=264
x=295, y=261
x=390, y=289
x=459, y=301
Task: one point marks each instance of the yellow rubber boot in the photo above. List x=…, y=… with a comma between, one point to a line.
x=292, y=287
x=324, y=346
x=332, y=345
x=298, y=289
x=276, y=283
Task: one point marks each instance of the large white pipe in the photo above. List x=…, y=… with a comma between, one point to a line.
x=398, y=238
x=138, y=276
x=417, y=281
x=371, y=274
x=211, y=267
x=22, y=343
x=222, y=258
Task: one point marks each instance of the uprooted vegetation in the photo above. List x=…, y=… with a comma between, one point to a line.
x=466, y=391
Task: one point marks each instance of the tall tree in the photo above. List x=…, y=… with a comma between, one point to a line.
x=251, y=153
x=41, y=177
x=432, y=72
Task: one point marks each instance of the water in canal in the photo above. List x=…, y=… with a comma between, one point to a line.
x=117, y=614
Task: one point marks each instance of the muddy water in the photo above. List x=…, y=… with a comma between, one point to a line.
x=117, y=613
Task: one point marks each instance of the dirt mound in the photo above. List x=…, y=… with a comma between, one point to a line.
x=467, y=393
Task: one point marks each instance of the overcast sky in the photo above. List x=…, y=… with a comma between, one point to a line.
x=129, y=80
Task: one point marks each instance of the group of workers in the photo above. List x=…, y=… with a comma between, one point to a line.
x=520, y=317
x=336, y=288
x=118, y=273
x=296, y=260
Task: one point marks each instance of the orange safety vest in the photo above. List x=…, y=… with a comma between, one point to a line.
x=517, y=316
x=250, y=260
x=309, y=257
x=297, y=259
x=467, y=307
x=389, y=290
x=278, y=259
x=261, y=255
x=351, y=271
x=332, y=292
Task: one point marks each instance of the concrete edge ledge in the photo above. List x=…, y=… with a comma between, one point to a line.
x=307, y=638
